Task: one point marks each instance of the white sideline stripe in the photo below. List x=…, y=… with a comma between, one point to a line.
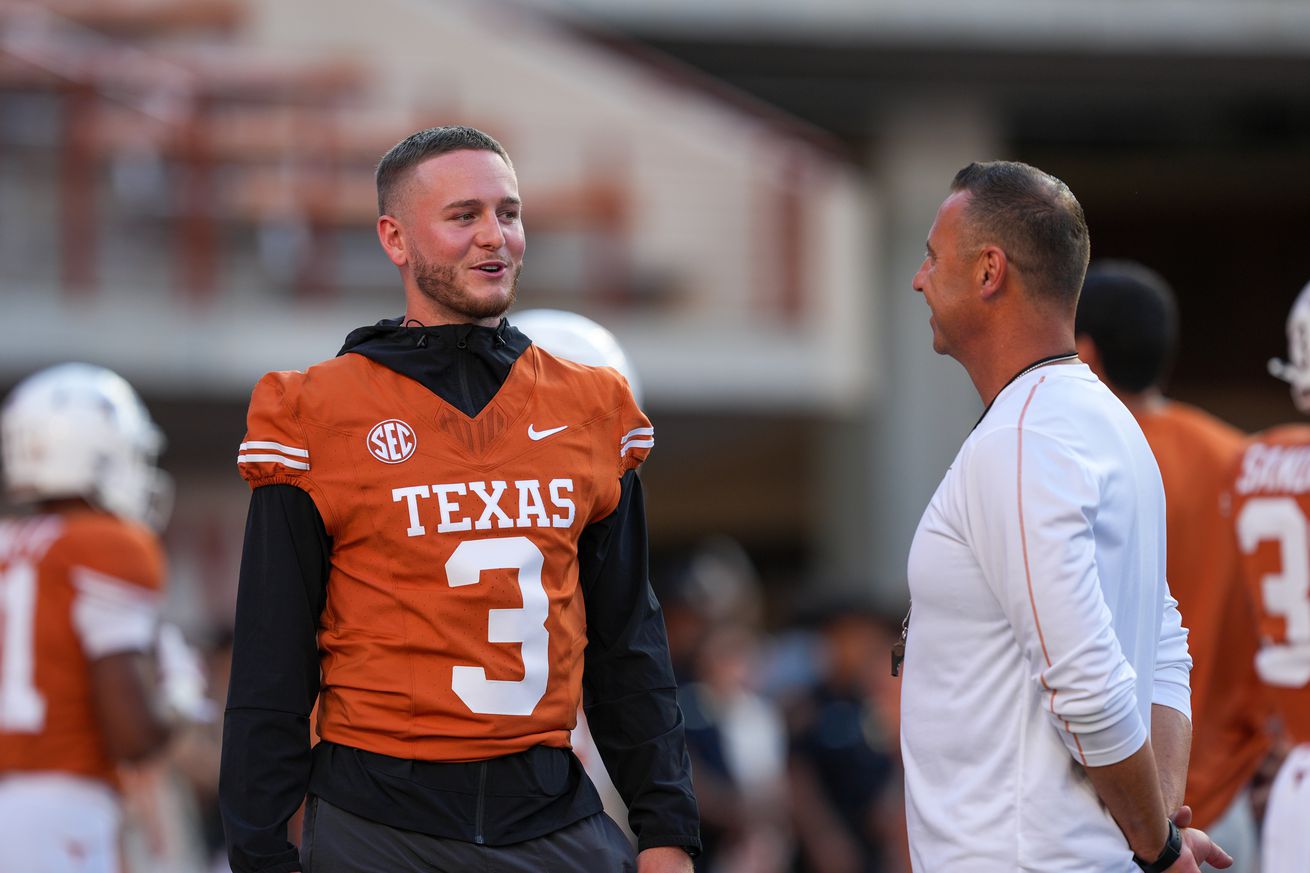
x=636, y=432
x=637, y=444
x=276, y=459
x=266, y=444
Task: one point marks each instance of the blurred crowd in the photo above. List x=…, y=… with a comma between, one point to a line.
x=792, y=726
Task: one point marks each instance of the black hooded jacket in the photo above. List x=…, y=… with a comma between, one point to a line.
x=628, y=685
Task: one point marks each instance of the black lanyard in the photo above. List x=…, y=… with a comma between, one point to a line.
x=1050, y=359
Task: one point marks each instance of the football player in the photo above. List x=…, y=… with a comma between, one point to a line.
x=1271, y=506
x=81, y=577
x=446, y=549
x=1126, y=330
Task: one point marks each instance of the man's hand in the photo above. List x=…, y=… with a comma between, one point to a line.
x=1202, y=850
x=664, y=859
x=1198, y=848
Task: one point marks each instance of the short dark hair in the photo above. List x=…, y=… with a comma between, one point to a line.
x=1130, y=313
x=418, y=147
x=1034, y=217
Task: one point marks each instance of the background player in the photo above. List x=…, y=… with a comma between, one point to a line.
x=81, y=579
x=1126, y=330
x=1271, y=506
x=447, y=527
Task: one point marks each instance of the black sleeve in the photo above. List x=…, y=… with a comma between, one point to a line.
x=275, y=678
x=630, y=695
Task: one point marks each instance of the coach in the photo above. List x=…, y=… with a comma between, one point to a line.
x=1046, y=717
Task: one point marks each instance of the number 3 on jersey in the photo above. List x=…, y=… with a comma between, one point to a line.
x=1286, y=593
x=526, y=625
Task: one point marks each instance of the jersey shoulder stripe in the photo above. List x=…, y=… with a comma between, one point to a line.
x=112, y=615
x=269, y=444
x=637, y=438
x=275, y=448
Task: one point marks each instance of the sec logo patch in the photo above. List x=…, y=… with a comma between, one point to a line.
x=392, y=441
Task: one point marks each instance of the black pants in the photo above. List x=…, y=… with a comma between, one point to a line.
x=335, y=841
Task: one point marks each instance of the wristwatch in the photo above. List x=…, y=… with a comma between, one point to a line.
x=1172, y=851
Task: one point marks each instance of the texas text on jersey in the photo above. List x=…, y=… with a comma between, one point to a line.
x=454, y=629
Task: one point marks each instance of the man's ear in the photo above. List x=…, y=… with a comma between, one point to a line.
x=392, y=237
x=992, y=268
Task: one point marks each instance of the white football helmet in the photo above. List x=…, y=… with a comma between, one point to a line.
x=577, y=338
x=77, y=430
x=1297, y=373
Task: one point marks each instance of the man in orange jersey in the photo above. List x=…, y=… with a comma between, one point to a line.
x=446, y=549
x=1271, y=509
x=1126, y=330
x=80, y=590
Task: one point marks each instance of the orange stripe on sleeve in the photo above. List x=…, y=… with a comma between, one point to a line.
x=1027, y=570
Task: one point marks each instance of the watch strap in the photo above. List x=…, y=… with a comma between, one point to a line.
x=1172, y=851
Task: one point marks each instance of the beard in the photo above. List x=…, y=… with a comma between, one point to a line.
x=440, y=285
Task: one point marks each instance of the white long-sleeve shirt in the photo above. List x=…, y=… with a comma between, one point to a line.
x=1042, y=631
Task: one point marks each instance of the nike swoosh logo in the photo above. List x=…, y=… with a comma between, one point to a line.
x=534, y=434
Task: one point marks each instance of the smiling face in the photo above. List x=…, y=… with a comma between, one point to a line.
x=457, y=237
x=945, y=279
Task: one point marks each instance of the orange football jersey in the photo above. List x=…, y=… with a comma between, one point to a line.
x=1196, y=453
x=1271, y=504
x=454, y=625
x=73, y=587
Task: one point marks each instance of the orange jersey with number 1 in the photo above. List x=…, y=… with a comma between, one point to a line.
x=73, y=587
x=454, y=625
x=1271, y=502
